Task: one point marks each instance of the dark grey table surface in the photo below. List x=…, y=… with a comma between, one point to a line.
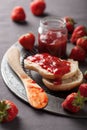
x=28, y=118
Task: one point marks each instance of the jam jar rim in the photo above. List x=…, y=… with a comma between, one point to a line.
x=53, y=18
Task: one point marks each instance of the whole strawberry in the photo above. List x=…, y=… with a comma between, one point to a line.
x=78, y=32
x=83, y=89
x=8, y=111
x=27, y=41
x=79, y=28
x=77, y=53
x=18, y=14
x=82, y=42
x=37, y=7
x=73, y=102
x=69, y=23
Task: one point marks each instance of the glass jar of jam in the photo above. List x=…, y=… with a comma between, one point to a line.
x=52, y=36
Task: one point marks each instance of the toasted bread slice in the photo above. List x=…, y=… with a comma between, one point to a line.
x=46, y=74
x=67, y=84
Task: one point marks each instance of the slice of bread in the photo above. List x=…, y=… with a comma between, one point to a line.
x=67, y=84
x=46, y=74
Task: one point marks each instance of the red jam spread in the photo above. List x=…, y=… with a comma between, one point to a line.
x=52, y=64
x=57, y=81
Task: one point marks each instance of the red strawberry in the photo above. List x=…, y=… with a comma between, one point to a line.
x=83, y=89
x=82, y=42
x=77, y=53
x=73, y=102
x=8, y=111
x=78, y=32
x=27, y=41
x=79, y=28
x=18, y=14
x=69, y=23
x=37, y=7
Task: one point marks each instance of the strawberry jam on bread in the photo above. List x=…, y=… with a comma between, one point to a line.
x=51, y=67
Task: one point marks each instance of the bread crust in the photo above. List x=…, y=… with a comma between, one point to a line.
x=67, y=84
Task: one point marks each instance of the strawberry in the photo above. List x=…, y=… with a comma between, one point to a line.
x=18, y=14
x=8, y=111
x=37, y=7
x=82, y=42
x=73, y=102
x=83, y=89
x=69, y=23
x=27, y=41
x=79, y=28
x=78, y=32
x=77, y=53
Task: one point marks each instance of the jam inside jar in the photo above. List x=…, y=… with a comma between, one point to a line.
x=52, y=36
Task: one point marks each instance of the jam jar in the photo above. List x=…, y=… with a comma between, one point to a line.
x=52, y=36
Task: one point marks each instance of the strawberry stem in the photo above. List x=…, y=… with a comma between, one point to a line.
x=79, y=100
x=3, y=110
x=2, y=115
